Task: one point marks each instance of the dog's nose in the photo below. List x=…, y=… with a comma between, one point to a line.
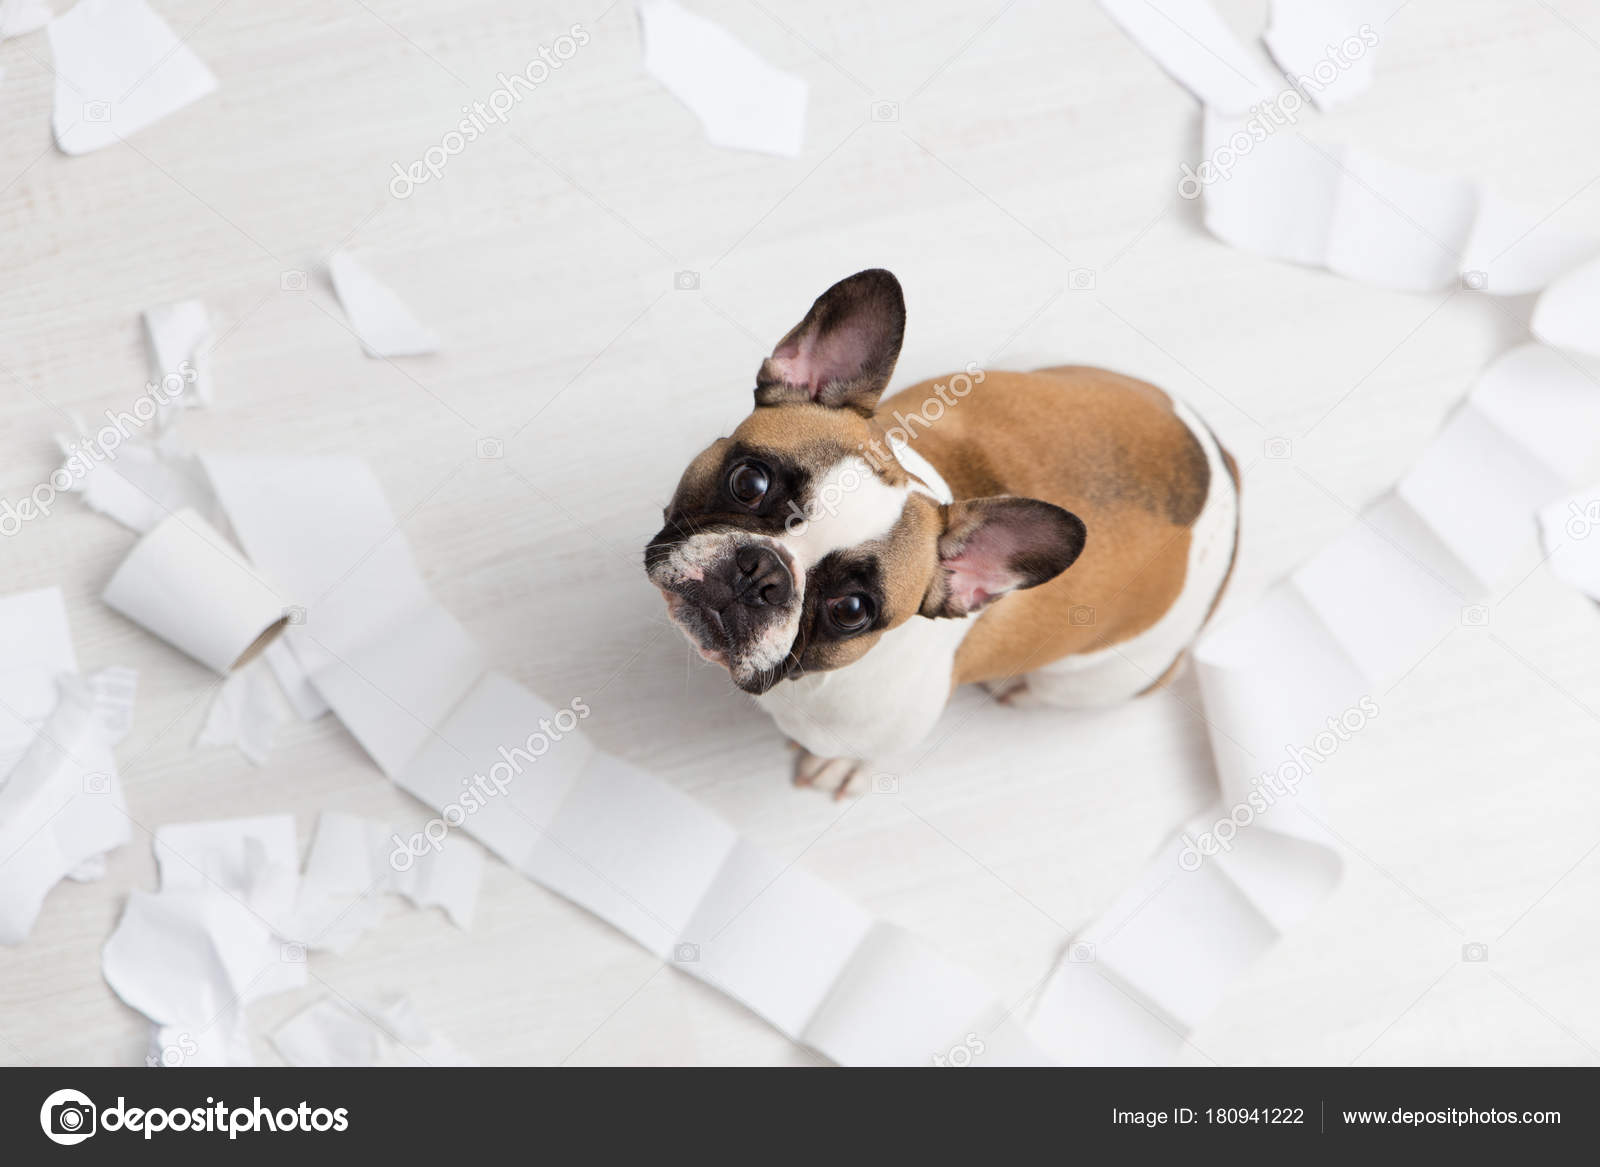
x=761, y=579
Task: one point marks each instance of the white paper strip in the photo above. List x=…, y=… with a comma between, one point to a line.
x=1570, y=529
x=743, y=102
x=184, y=583
x=1334, y=207
x=365, y=612
x=118, y=69
x=385, y=325
x=1512, y=251
x=1568, y=313
x=1190, y=41
x=1327, y=46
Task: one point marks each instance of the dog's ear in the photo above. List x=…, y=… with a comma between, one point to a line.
x=842, y=354
x=992, y=546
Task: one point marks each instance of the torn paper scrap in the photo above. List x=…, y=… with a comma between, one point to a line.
x=179, y=360
x=1570, y=530
x=118, y=68
x=1326, y=47
x=1190, y=41
x=385, y=325
x=356, y=861
x=220, y=1040
x=345, y=878
x=22, y=16
x=188, y=960
x=134, y=482
x=61, y=805
x=1568, y=313
x=743, y=102
x=382, y=1033
x=246, y=713
x=255, y=862
x=212, y=939
x=302, y=696
x=186, y=584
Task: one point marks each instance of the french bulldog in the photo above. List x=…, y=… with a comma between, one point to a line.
x=1059, y=536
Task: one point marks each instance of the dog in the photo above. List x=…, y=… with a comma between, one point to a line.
x=1059, y=536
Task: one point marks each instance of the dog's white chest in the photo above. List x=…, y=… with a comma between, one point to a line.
x=884, y=702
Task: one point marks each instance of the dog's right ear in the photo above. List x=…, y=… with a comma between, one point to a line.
x=843, y=353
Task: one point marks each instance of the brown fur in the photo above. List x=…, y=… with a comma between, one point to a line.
x=1106, y=447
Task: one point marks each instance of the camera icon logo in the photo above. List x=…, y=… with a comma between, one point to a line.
x=885, y=111
x=97, y=111
x=97, y=783
x=1277, y=449
x=1081, y=952
x=292, y=953
x=292, y=281
x=1080, y=615
x=1475, y=616
x=885, y=784
x=1475, y=281
x=1081, y=279
x=295, y=614
x=686, y=953
x=68, y=1117
x=686, y=281
x=1475, y=952
x=490, y=449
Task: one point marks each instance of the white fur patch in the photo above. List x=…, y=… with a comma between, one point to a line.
x=847, y=506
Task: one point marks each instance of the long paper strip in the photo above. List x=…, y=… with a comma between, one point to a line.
x=1189, y=40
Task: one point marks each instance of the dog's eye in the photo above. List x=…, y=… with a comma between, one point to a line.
x=850, y=613
x=748, y=482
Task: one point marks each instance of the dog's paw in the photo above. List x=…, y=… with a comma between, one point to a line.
x=833, y=775
x=1012, y=691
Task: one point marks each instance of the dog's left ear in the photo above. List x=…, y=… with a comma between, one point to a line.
x=992, y=546
x=843, y=353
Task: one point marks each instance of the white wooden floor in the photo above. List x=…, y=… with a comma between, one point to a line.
x=1030, y=139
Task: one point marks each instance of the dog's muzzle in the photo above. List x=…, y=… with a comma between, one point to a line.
x=736, y=598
